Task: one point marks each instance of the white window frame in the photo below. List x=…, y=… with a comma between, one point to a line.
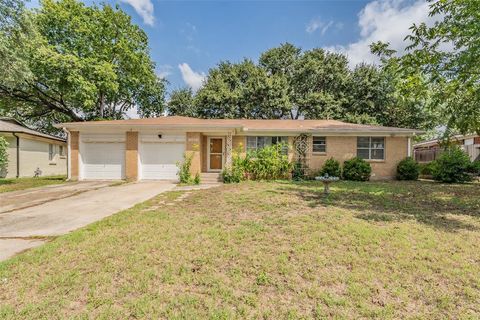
x=278, y=138
x=324, y=144
x=61, y=151
x=51, y=152
x=370, y=148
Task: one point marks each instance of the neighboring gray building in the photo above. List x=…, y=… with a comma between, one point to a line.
x=29, y=150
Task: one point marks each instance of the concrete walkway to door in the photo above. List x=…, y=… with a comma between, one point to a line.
x=21, y=228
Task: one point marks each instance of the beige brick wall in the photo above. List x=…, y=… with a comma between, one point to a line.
x=344, y=148
x=131, y=156
x=74, y=154
x=194, y=145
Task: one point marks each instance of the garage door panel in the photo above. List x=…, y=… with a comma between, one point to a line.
x=159, y=160
x=103, y=161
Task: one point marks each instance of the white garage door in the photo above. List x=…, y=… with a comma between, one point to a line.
x=159, y=160
x=104, y=160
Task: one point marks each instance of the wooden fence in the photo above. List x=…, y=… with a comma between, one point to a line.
x=428, y=155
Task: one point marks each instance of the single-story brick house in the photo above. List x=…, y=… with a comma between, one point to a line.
x=149, y=148
x=30, y=151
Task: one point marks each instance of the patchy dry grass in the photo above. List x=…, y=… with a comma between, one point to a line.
x=263, y=250
x=7, y=185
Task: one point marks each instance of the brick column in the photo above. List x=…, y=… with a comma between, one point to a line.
x=74, y=153
x=193, y=148
x=131, y=156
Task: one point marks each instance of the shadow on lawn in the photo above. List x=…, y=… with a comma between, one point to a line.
x=425, y=202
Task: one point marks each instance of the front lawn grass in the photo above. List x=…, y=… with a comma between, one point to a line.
x=263, y=250
x=12, y=184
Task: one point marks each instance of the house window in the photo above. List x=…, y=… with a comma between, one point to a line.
x=61, y=151
x=255, y=143
x=371, y=148
x=319, y=144
x=51, y=152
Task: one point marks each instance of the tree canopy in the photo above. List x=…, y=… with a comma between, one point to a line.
x=290, y=83
x=81, y=63
x=448, y=54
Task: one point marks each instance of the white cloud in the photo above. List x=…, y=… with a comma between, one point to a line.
x=193, y=79
x=318, y=24
x=326, y=27
x=313, y=25
x=144, y=8
x=386, y=21
x=164, y=70
x=189, y=31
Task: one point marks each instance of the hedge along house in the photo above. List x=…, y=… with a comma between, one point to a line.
x=140, y=149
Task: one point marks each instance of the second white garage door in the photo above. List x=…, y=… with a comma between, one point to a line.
x=159, y=160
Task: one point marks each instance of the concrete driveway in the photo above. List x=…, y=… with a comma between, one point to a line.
x=16, y=200
x=57, y=217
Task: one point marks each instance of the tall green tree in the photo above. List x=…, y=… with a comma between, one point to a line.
x=17, y=35
x=182, y=103
x=320, y=85
x=90, y=62
x=448, y=53
x=242, y=90
x=391, y=95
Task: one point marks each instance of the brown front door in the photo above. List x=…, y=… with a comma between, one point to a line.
x=215, y=154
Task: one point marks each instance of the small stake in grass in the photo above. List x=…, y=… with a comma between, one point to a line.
x=326, y=179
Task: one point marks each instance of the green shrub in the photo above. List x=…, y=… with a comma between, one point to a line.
x=452, y=166
x=426, y=169
x=356, y=169
x=408, y=169
x=298, y=171
x=184, y=169
x=268, y=163
x=3, y=155
x=474, y=168
x=238, y=171
x=196, y=180
x=332, y=168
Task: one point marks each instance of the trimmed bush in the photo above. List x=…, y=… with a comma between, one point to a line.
x=426, y=169
x=452, y=166
x=268, y=163
x=408, y=169
x=356, y=169
x=332, y=168
x=474, y=168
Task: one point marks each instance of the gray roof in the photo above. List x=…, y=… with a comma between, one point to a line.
x=11, y=125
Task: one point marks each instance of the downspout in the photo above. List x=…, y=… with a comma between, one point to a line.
x=68, y=153
x=18, y=154
x=409, y=151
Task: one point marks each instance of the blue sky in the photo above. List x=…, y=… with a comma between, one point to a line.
x=200, y=34
x=187, y=38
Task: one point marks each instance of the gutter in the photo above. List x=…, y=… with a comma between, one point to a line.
x=18, y=153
